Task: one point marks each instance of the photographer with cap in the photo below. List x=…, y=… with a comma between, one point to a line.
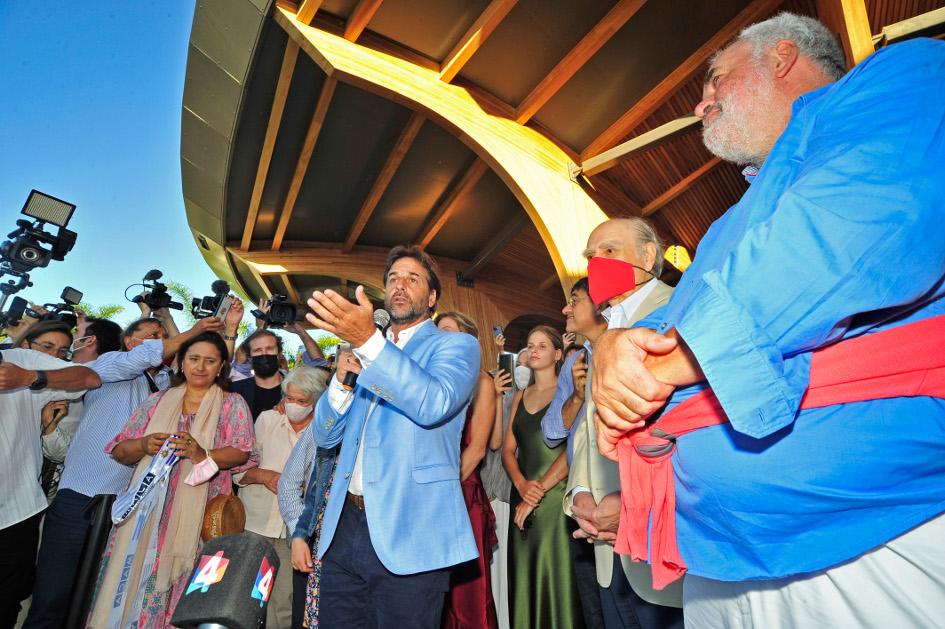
x=130, y=364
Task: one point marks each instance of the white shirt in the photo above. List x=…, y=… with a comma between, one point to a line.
x=275, y=438
x=340, y=399
x=21, y=450
x=619, y=316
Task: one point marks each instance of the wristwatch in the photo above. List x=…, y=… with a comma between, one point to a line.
x=227, y=337
x=40, y=382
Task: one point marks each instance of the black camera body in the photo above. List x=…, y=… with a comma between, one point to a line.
x=65, y=311
x=282, y=312
x=210, y=306
x=25, y=252
x=157, y=296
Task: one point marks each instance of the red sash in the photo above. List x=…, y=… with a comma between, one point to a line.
x=906, y=361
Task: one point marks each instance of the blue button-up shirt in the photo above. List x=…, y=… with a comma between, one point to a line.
x=841, y=234
x=552, y=424
x=88, y=470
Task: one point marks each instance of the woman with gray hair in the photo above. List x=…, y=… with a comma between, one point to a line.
x=277, y=432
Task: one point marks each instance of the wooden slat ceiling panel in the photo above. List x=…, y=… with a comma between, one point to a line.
x=525, y=256
x=690, y=214
x=885, y=12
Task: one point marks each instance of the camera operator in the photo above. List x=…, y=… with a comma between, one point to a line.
x=312, y=356
x=59, y=418
x=29, y=380
x=161, y=314
x=130, y=365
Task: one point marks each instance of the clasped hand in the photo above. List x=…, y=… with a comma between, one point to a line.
x=624, y=389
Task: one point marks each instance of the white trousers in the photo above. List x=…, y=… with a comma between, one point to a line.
x=899, y=585
x=500, y=562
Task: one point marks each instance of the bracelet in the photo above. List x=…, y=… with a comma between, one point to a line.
x=227, y=337
x=207, y=452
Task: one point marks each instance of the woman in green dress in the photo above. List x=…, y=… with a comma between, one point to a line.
x=542, y=588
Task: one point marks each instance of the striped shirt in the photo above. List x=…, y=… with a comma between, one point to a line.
x=21, y=452
x=88, y=470
x=294, y=478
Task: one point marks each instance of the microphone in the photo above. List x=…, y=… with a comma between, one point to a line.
x=231, y=583
x=381, y=320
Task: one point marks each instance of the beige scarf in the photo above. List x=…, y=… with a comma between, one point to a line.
x=183, y=528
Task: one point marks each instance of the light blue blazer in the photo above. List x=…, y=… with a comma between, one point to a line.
x=414, y=401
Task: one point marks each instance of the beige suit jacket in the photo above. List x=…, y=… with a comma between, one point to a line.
x=589, y=468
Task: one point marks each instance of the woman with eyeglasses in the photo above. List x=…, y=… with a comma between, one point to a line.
x=59, y=419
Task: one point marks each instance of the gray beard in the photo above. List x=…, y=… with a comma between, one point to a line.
x=733, y=135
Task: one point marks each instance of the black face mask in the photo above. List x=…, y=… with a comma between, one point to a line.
x=265, y=366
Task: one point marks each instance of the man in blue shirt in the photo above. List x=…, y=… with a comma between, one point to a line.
x=787, y=516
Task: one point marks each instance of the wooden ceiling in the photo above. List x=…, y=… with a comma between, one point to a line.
x=314, y=161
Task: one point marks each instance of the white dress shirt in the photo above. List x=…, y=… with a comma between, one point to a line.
x=619, y=316
x=21, y=449
x=340, y=399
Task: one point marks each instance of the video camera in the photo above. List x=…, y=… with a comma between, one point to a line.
x=282, y=312
x=27, y=249
x=157, y=296
x=216, y=305
x=64, y=312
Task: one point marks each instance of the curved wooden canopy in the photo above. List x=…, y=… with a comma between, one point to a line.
x=316, y=134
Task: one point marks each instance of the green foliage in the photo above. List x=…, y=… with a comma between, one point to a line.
x=108, y=311
x=184, y=295
x=325, y=343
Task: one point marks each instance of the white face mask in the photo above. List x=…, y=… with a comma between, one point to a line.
x=81, y=343
x=523, y=375
x=297, y=412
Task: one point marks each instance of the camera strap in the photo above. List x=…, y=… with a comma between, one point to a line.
x=151, y=384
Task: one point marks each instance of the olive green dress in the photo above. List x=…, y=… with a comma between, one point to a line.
x=542, y=587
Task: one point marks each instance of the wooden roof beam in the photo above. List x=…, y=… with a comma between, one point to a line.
x=849, y=21
x=269, y=143
x=307, y=11
x=595, y=39
x=457, y=193
x=643, y=142
x=305, y=157
x=931, y=24
x=548, y=282
x=495, y=245
x=359, y=18
x=474, y=37
x=290, y=290
x=397, y=154
x=652, y=101
x=656, y=204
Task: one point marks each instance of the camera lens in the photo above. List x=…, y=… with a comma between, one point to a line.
x=29, y=254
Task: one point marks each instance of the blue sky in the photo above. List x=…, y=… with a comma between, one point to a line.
x=90, y=102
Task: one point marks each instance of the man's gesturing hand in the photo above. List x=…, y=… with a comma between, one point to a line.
x=625, y=391
x=350, y=322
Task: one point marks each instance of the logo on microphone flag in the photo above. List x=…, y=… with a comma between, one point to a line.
x=263, y=587
x=209, y=571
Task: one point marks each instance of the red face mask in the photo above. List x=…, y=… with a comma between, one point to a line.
x=608, y=278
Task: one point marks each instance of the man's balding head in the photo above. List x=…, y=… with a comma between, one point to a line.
x=632, y=240
x=752, y=83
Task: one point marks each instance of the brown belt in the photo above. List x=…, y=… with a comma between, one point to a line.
x=357, y=501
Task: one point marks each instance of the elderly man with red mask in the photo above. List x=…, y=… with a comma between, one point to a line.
x=806, y=488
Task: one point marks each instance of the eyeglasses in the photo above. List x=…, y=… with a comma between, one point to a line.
x=48, y=348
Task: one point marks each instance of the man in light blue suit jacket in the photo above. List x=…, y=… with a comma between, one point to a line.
x=395, y=520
